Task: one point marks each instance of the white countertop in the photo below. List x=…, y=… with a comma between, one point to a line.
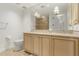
x=66, y=34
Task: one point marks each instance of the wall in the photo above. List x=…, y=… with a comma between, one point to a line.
x=11, y=14
x=28, y=21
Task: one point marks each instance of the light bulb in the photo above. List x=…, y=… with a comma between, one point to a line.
x=37, y=14
x=56, y=10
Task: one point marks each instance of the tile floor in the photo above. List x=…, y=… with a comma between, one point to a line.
x=14, y=53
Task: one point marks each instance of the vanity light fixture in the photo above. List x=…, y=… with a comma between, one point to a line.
x=56, y=10
x=57, y=14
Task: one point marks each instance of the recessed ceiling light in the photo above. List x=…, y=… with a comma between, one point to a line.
x=23, y=7
x=18, y=3
x=42, y=6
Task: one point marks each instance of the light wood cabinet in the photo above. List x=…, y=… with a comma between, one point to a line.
x=49, y=45
x=28, y=42
x=64, y=47
x=37, y=45
x=42, y=45
x=46, y=40
x=52, y=47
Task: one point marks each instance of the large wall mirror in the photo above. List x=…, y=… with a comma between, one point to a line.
x=56, y=16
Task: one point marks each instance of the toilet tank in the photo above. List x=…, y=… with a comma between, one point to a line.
x=18, y=45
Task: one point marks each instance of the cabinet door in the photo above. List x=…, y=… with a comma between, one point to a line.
x=52, y=47
x=26, y=39
x=46, y=45
x=37, y=45
x=64, y=47
x=28, y=43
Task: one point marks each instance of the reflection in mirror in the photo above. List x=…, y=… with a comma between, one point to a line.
x=56, y=23
x=42, y=23
x=73, y=17
x=57, y=20
x=56, y=17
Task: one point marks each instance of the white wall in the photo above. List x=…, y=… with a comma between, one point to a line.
x=28, y=21
x=12, y=15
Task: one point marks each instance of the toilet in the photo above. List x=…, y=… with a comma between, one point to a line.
x=9, y=42
x=13, y=44
x=18, y=45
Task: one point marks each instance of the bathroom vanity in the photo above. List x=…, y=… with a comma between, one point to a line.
x=43, y=43
x=58, y=40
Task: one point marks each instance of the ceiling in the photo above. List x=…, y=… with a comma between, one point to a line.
x=44, y=8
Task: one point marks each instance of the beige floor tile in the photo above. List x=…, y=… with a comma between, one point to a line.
x=14, y=53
